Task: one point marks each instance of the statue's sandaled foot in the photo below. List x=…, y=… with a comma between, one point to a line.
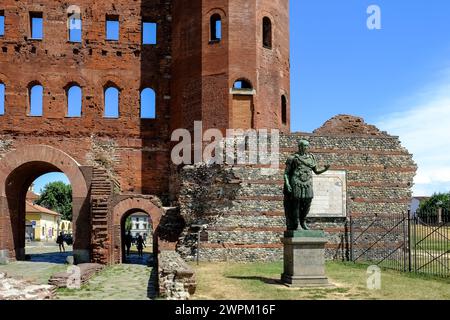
x=304, y=226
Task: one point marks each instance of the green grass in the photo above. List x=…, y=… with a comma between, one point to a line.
x=118, y=282
x=260, y=281
x=430, y=239
x=36, y=272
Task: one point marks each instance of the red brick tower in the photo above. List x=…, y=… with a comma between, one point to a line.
x=251, y=48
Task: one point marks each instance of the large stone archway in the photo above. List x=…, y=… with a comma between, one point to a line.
x=122, y=210
x=18, y=169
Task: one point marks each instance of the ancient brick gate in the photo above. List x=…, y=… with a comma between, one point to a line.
x=98, y=212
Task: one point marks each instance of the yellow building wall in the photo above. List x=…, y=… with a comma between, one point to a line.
x=46, y=226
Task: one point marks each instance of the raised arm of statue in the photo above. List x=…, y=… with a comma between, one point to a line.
x=325, y=169
x=317, y=171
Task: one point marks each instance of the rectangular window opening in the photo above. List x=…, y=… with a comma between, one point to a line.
x=2, y=23
x=37, y=25
x=149, y=33
x=2, y=99
x=112, y=28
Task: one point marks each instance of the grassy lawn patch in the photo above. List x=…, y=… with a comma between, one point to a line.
x=223, y=281
x=36, y=272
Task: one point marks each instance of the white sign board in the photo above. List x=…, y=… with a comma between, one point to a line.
x=330, y=195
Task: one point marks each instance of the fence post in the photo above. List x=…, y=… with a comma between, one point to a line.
x=409, y=241
x=351, y=239
x=439, y=215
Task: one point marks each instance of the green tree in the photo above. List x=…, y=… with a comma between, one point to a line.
x=57, y=196
x=430, y=206
x=128, y=224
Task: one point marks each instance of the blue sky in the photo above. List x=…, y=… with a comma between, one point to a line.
x=397, y=78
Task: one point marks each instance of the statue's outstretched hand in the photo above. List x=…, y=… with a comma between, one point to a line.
x=327, y=167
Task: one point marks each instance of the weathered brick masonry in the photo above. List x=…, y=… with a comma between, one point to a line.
x=243, y=205
x=118, y=166
x=115, y=162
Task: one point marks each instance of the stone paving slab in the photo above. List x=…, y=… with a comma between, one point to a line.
x=119, y=282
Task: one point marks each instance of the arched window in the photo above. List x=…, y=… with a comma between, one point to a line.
x=2, y=99
x=242, y=85
x=148, y=104
x=111, y=102
x=36, y=94
x=216, y=27
x=267, y=33
x=74, y=96
x=283, y=109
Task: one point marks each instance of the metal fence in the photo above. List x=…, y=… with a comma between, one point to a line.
x=419, y=244
x=429, y=250
x=382, y=240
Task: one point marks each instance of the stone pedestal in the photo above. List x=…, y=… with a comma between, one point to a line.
x=304, y=259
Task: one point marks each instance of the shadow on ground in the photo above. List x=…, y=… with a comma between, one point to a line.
x=51, y=257
x=146, y=260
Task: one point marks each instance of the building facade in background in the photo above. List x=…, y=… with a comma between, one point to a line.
x=140, y=225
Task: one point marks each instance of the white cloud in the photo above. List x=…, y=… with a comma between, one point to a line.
x=424, y=129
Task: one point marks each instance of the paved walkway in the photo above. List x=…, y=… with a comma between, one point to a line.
x=134, y=258
x=119, y=282
x=134, y=281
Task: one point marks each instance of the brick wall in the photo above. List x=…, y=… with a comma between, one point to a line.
x=244, y=207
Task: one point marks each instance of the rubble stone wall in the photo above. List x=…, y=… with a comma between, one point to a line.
x=243, y=205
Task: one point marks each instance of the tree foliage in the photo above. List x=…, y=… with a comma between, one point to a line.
x=128, y=224
x=57, y=196
x=430, y=206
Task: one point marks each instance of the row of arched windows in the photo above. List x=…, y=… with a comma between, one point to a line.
x=111, y=101
x=216, y=30
x=74, y=101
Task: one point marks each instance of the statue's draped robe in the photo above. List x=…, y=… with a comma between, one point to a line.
x=299, y=169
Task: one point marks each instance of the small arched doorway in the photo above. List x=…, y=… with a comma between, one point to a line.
x=18, y=169
x=137, y=238
x=138, y=207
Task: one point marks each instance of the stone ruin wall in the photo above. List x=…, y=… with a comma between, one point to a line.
x=244, y=208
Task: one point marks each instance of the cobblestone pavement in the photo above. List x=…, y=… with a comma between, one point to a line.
x=47, y=252
x=134, y=258
x=120, y=282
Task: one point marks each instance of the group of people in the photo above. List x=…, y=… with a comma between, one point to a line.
x=140, y=244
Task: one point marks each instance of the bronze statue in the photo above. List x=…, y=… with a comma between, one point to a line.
x=298, y=186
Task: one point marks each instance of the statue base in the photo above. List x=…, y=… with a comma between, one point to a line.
x=304, y=259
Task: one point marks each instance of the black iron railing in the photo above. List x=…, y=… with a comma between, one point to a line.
x=419, y=243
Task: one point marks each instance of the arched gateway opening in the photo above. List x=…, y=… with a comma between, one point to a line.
x=137, y=238
x=138, y=208
x=18, y=169
x=48, y=219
